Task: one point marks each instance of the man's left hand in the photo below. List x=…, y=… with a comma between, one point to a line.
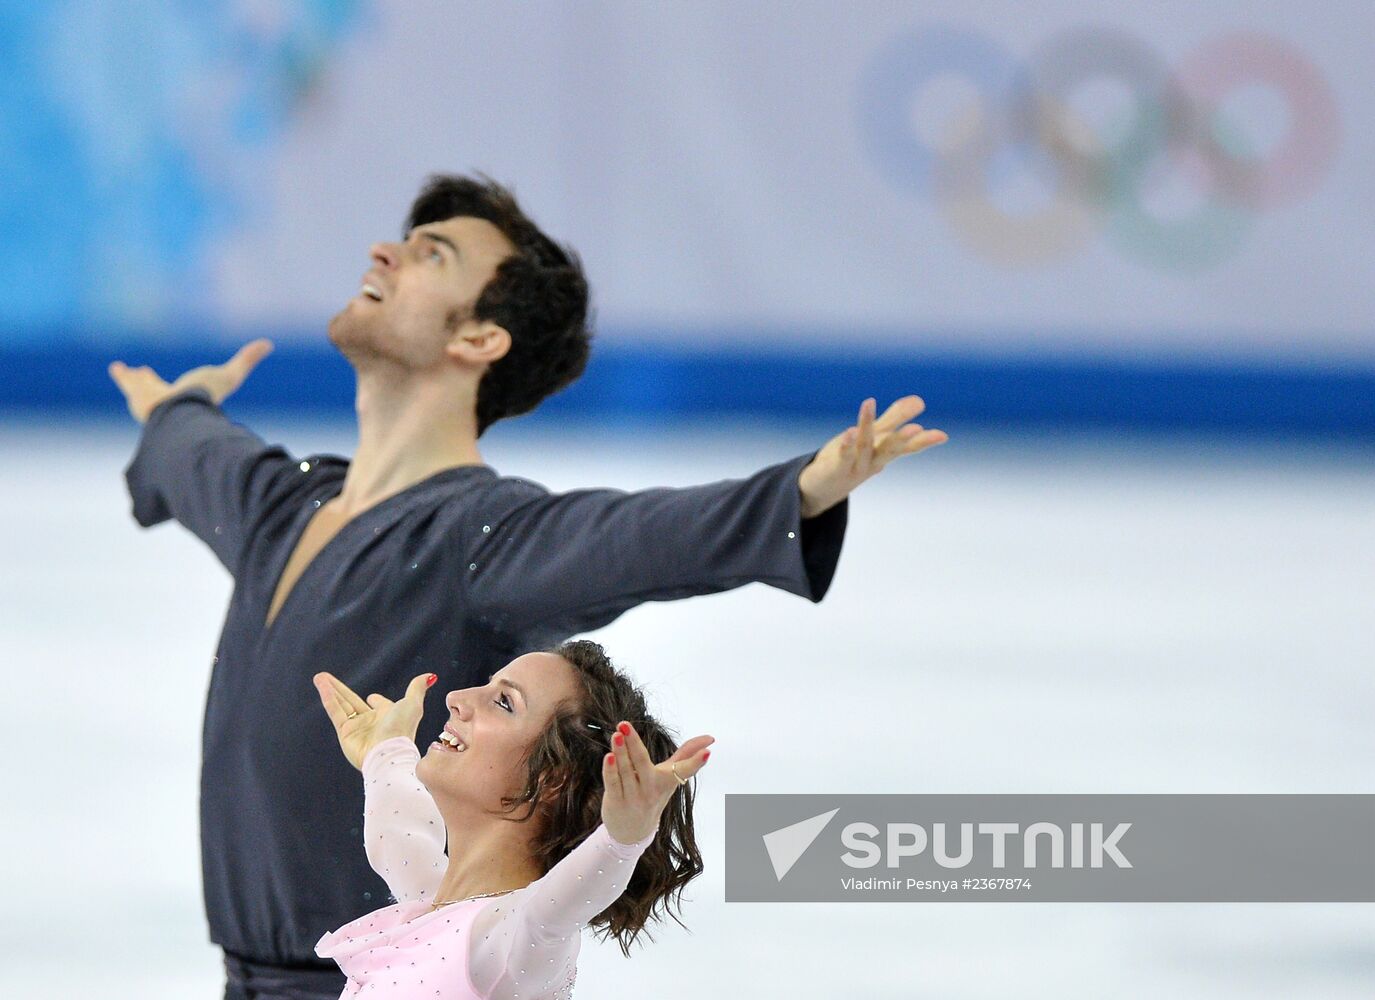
x=854, y=455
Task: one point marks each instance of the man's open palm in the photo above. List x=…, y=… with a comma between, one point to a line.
x=144, y=389
x=854, y=455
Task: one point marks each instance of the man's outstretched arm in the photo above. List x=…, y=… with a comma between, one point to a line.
x=193, y=463
x=562, y=563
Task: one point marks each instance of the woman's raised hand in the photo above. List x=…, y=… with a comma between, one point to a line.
x=637, y=789
x=361, y=725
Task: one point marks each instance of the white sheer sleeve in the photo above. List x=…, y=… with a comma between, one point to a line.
x=527, y=944
x=403, y=832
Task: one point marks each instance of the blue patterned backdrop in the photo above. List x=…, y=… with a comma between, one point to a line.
x=787, y=194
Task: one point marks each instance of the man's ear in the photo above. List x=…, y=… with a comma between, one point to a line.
x=479, y=342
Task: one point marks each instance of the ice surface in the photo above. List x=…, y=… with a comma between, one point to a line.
x=1011, y=613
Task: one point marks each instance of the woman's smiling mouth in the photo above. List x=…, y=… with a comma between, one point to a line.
x=450, y=742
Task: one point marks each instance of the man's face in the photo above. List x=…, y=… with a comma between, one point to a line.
x=406, y=301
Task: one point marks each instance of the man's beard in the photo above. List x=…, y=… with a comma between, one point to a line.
x=366, y=340
x=345, y=331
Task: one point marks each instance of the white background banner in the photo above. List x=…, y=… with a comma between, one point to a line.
x=1169, y=178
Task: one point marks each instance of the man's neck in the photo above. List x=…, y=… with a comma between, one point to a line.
x=408, y=430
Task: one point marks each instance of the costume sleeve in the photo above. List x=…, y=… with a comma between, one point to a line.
x=403, y=831
x=529, y=947
x=210, y=474
x=571, y=562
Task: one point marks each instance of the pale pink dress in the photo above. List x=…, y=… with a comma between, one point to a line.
x=520, y=946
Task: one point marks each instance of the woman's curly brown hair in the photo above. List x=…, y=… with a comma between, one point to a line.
x=563, y=786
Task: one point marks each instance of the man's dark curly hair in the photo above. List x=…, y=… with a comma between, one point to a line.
x=539, y=295
x=563, y=792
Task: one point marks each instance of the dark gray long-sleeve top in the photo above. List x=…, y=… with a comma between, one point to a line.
x=458, y=575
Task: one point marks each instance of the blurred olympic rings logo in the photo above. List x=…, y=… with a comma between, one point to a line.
x=1099, y=183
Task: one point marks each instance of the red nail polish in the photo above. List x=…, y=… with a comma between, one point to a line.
x=706, y=754
x=429, y=682
x=624, y=727
x=618, y=739
x=611, y=758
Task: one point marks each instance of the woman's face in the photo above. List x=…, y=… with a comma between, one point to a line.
x=480, y=756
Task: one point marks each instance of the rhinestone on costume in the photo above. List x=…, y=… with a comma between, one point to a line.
x=305, y=466
x=472, y=565
x=792, y=535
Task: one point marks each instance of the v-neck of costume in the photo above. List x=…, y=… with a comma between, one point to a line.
x=329, y=493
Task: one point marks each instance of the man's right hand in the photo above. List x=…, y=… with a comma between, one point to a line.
x=361, y=725
x=144, y=389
